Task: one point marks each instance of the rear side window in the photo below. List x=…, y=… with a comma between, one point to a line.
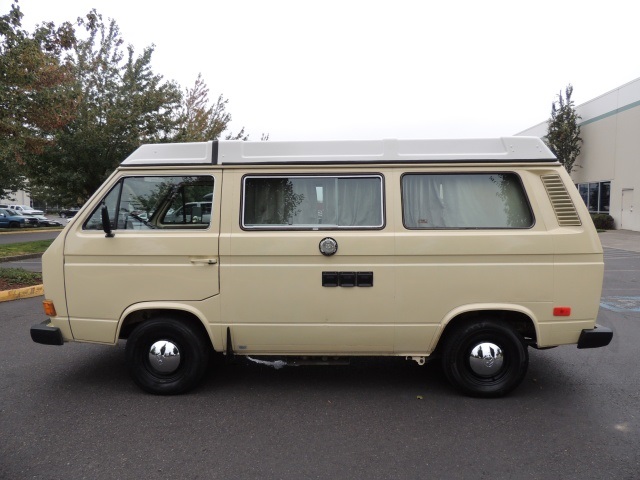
x=312, y=202
x=462, y=201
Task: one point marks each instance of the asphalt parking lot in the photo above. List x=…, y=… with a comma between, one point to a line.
x=71, y=412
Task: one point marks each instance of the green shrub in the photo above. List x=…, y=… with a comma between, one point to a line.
x=602, y=221
x=18, y=277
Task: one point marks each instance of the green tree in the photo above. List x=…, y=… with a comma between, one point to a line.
x=35, y=101
x=121, y=103
x=200, y=121
x=563, y=132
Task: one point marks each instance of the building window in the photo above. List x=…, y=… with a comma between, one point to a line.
x=605, y=190
x=595, y=196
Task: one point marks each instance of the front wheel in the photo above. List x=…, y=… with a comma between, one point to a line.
x=485, y=359
x=167, y=356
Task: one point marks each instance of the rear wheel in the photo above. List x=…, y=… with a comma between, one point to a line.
x=14, y=225
x=167, y=356
x=485, y=359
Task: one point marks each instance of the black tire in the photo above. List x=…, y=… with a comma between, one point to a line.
x=14, y=225
x=191, y=346
x=473, y=364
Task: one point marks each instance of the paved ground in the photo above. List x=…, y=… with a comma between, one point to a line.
x=71, y=412
x=30, y=264
x=621, y=240
x=31, y=236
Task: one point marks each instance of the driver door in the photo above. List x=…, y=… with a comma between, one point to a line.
x=153, y=254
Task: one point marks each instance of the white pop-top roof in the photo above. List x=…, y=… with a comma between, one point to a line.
x=237, y=152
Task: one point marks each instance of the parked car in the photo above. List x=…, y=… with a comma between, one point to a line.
x=13, y=219
x=192, y=212
x=68, y=212
x=26, y=209
x=44, y=221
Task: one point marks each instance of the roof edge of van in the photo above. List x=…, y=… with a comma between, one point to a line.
x=238, y=152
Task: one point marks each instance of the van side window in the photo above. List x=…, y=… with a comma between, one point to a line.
x=147, y=203
x=438, y=201
x=312, y=202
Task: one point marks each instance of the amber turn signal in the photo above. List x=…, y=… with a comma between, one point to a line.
x=49, y=309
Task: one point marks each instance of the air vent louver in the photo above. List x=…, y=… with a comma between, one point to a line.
x=562, y=204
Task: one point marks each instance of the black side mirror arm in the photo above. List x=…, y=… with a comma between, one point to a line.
x=106, y=223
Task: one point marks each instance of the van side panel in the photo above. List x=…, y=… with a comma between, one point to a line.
x=272, y=285
x=444, y=270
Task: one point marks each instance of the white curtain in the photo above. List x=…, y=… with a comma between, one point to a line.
x=314, y=202
x=464, y=201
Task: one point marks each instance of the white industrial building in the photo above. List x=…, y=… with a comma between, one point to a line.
x=608, y=172
x=17, y=198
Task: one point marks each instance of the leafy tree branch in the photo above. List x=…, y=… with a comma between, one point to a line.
x=563, y=132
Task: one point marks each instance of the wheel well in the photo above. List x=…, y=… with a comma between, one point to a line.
x=518, y=320
x=136, y=318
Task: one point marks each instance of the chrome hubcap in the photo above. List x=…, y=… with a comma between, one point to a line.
x=486, y=359
x=164, y=356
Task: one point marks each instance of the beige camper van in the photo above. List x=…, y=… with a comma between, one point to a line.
x=468, y=251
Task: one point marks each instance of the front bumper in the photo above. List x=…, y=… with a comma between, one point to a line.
x=43, y=333
x=595, y=337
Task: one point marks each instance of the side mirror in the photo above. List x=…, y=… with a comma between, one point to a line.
x=106, y=223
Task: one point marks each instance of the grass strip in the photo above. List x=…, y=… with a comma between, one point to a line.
x=24, y=248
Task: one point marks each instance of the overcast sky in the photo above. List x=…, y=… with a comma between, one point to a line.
x=320, y=70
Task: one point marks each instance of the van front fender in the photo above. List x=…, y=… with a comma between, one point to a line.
x=139, y=312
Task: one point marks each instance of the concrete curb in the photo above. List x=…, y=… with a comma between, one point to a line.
x=34, y=230
x=18, y=293
x=15, y=258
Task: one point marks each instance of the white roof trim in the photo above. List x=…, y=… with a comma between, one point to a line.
x=171, y=154
x=236, y=152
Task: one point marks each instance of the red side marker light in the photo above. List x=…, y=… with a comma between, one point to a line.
x=562, y=311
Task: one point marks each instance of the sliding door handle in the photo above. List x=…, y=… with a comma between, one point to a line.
x=204, y=261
